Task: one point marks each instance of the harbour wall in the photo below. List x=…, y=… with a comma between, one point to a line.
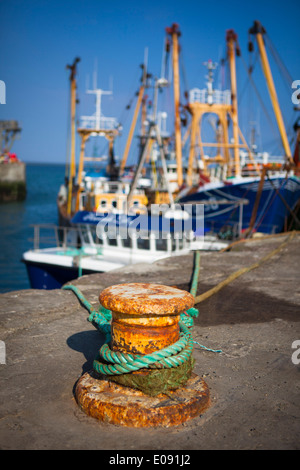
x=12, y=181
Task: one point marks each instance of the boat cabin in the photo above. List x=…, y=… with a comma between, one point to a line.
x=111, y=196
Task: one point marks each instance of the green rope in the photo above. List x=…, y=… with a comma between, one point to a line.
x=193, y=291
x=195, y=279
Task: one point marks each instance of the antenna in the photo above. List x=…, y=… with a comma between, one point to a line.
x=163, y=60
x=146, y=58
x=210, y=77
x=87, y=82
x=110, y=85
x=95, y=73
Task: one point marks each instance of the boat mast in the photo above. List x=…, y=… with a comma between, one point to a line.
x=258, y=30
x=174, y=32
x=96, y=125
x=73, y=69
x=135, y=116
x=231, y=39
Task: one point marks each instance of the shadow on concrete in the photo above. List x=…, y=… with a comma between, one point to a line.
x=233, y=305
x=88, y=343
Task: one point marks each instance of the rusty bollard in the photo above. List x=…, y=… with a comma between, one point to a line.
x=145, y=319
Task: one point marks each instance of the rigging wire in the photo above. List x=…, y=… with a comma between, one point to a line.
x=278, y=60
x=124, y=115
x=130, y=101
x=183, y=73
x=287, y=80
x=259, y=97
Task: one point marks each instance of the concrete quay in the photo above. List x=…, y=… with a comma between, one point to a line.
x=254, y=382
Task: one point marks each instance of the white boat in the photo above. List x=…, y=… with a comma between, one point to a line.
x=87, y=248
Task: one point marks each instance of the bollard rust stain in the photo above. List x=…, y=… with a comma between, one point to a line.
x=142, y=340
x=142, y=298
x=115, y=404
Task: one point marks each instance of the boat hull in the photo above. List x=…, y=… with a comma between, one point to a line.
x=278, y=198
x=51, y=276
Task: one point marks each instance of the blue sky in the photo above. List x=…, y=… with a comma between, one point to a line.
x=40, y=37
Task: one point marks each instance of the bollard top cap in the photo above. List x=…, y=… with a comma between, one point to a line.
x=141, y=298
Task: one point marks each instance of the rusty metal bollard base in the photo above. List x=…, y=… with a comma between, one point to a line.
x=116, y=404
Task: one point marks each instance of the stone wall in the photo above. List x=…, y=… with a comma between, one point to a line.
x=12, y=181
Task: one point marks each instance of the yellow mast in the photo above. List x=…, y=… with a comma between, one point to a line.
x=135, y=116
x=175, y=33
x=84, y=138
x=72, y=173
x=231, y=39
x=259, y=30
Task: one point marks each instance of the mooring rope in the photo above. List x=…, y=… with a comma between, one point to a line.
x=114, y=363
x=239, y=272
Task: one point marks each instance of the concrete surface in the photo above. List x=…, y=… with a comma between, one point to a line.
x=254, y=383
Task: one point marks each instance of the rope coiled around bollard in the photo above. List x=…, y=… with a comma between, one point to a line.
x=116, y=362
x=167, y=369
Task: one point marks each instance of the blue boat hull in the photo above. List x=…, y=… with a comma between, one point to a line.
x=46, y=276
x=278, y=198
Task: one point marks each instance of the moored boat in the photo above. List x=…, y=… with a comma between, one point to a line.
x=229, y=169
x=102, y=243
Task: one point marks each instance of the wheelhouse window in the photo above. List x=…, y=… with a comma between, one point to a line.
x=161, y=244
x=143, y=244
x=112, y=241
x=84, y=234
x=114, y=188
x=96, y=239
x=126, y=242
x=180, y=243
x=173, y=243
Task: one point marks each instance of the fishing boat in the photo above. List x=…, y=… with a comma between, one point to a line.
x=241, y=191
x=97, y=188
x=236, y=171
x=102, y=243
x=228, y=176
x=270, y=203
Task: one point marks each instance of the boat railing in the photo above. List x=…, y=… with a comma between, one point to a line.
x=93, y=122
x=53, y=236
x=217, y=97
x=258, y=160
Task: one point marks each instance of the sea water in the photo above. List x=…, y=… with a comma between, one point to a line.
x=16, y=219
